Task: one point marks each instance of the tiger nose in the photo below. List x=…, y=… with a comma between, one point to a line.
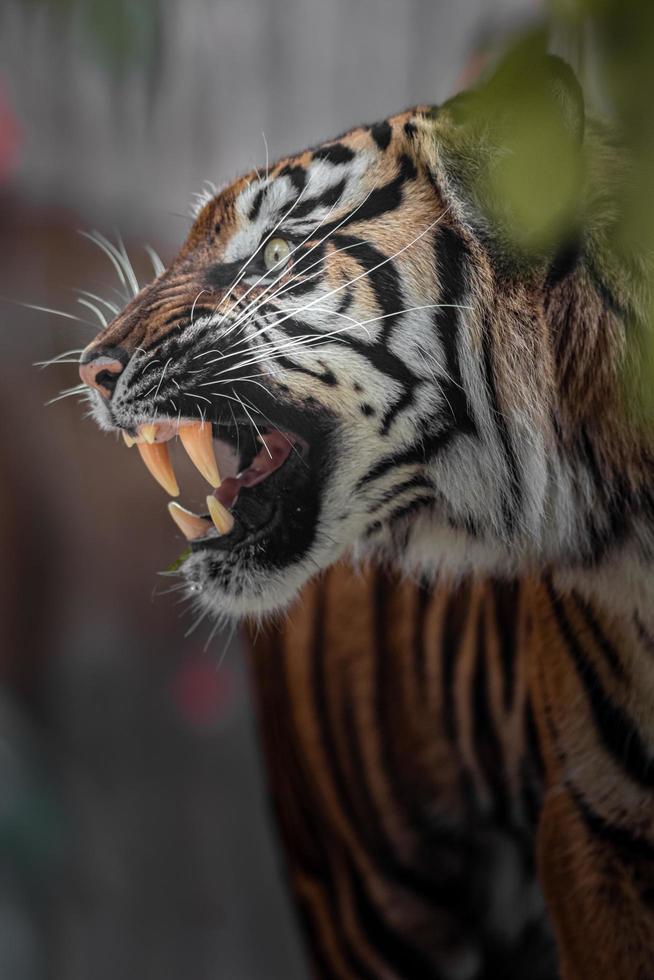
x=100, y=371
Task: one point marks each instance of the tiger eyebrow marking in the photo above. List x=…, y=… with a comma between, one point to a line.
x=255, y=208
x=336, y=153
x=329, y=197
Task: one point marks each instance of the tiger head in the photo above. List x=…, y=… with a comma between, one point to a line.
x=372, y=369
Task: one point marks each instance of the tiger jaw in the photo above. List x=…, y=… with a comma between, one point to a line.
x=197, y=439
x=264, y=502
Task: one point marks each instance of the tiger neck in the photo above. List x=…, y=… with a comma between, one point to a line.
x=569, y=493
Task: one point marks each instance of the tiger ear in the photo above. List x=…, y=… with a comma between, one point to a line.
x=511, y=151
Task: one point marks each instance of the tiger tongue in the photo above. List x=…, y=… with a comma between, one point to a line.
x=275, y=451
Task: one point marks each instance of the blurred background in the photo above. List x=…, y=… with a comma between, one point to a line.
x=135, y=832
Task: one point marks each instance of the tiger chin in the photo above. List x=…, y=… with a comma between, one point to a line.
x=360, y=360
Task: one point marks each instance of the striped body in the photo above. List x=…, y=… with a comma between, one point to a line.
x=446, y=401
x=412, y=735
x=407, y=778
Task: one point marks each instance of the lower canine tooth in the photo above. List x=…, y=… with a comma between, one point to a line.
x=222, y=519
x=157, y=460
x=191, y=526
x=148, y=432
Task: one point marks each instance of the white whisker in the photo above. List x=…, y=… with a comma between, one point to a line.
x=94, y=309
x=61, y=313
x=63, y=358
x=113, y=309
x=157, y=265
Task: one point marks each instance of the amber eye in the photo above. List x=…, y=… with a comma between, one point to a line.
x=276, y=253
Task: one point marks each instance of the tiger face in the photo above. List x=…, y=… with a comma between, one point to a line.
x=294, y=338
x=351, y=369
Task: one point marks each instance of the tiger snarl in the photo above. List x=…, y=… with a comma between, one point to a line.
x=379, y=380
x=385, y=372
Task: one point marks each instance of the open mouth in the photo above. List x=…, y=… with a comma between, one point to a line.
x=263, y=485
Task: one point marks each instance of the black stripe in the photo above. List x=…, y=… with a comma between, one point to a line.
x=608, y=520
x=644, y=636
x=391, y=413
x=419, y=651
x=327, y=376
x=319, y=689
x=456, y=615
x=296, y=174
x=487, y=747
x=414, y=482
x=329, y=198
x=421, y=452
x=411, y=455
x=383, y=277
x=607, y=649
x=632, y=849
x=532, y=738
x=532, y=768
x=512, y=501
x=616, y=731
x=407, y=510
x=381, y=133
x=253, y=213
x=403, y=959
x=308, y=259
x=381, y=201
x=565, y=261
x=222, y=274
x=506, y=596
x=336, y=153
x=413, y=879
x=452, y=261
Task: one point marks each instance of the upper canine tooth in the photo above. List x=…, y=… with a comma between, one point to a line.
x=129, y=440
x=148, y=432
x=196, y=439
x=191, y=526
x=157, y=460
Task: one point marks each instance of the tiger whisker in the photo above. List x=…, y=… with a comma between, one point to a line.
x=128, y=267
x=256, y=428
x=94, y=309
x=265, y=143
x=48, y=309
x=157, y=265
x=113, y=309
x=194, y=302
x=112, y=254
x=63, y=358
x=317, y=337
x=162, y=376
x=67, y=393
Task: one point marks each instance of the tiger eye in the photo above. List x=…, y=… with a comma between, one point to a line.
x=276, y=253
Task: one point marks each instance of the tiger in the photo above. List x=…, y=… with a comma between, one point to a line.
x=427, y=472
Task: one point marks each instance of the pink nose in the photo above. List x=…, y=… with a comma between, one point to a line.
x=101, y=373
